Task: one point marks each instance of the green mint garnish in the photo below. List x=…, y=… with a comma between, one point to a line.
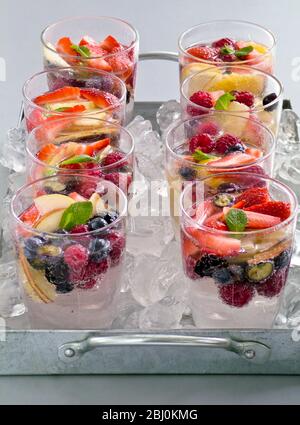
x=236, y=220
x=77, y=213
x=63, y=109
x=77, y=159
x=223, y=102
x=199, y=156
x=227, y=50
x=82, y=50
x=241, y=53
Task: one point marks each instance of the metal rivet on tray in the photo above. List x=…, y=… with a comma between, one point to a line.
x=250, y=354
x=69, y=352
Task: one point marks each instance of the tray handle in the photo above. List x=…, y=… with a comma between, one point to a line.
x=253, y=351
x=159, y=55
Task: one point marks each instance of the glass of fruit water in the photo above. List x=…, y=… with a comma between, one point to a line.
x=215, y=143
x=70, y=250
x=225, y=42
x=241, y=90
x=83, y=146
x=237, y=241
x=100, y=42
x=68, y=91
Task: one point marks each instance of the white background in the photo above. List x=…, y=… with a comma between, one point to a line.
x=159, y=23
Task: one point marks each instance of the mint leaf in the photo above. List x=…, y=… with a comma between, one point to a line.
x=77, y=159
x=223, y=102
x=227, y=50
x=77, y=213
x=241, y=53
x=236, y=220
x=199, y=156
x=82, y=50
x=63, y=109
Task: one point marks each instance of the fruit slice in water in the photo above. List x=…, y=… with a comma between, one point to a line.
x=219, y=245
x=55, y=201
x=259, y=272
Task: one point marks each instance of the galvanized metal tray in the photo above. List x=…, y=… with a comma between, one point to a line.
x=36, y=352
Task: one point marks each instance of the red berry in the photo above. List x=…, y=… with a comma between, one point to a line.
x=224, y=42
x=274, y=208
x=273, y=286
x=94, y=273
x=244, y=97
x=122, y=180
x=76, y=257
x=236, y=294
x=208, y=127
x=203, y=142
x=203, y=52
x=225, y=142
x=117, y=243
x=87, y=188
x=71, y=166
x=253, y=196
x=80, y=228
x=114, y=157
x=190, y=264
x=92, y=169
x=202, y=98
x=228, y=58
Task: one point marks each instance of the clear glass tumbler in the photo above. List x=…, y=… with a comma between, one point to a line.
x=69, y=91
x=237, y=242
x=225, y=42
x=237, y=89
x=70, y=251
x=100, y=42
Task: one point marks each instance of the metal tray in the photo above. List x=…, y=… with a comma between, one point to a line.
x=36, y=352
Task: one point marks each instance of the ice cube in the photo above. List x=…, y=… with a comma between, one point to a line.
x=167, y=114
x=289, y=313
x=128, y=312
x=10, y=298
x=13, y=151
x=164, y=314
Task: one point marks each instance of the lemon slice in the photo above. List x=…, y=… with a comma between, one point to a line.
x=194, y=67
x=242, y=82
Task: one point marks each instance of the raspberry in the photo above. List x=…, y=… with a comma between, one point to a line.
x=203, y=52
x=114, y=157
x=80, y=228
x=117, y=242
x=122, y=180
x=273, y=286
x=274, y=208
x=244, y=97
x=236, y=294
x=203, y=142
x=224, y=42
x=190, y=264
x=71, y=166
x=92, y=169
x=225, y=142
x=93, y=274
x=76, y=256
x=228, y=58
x=209, y=128
x=87, y=188
x=253, y=196
x=202, y=98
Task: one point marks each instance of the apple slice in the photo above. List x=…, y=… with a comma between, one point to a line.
x=50, y=221
x=70, y=104
x=47, y=203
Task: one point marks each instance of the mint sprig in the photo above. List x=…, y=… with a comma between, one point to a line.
x=78, y=159
x=62, y=109
x=223, y=102
x=239, y=53
x=75, y=214
x=199, y=156
x=82, y=50
x=236, y=220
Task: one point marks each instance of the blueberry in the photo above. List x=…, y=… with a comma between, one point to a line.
x=109, y=216
x=236, y=148
x=268, y=99
x=57, y=272
x=283, y=259
x=99, y=249
x=237, y=271
x=96, y=223
x=64, y=288
x=229, y=187
x=208, y=264
x=223, y=276
x=187, y=173
x=31, y=246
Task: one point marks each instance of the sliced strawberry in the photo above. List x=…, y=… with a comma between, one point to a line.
x=63, y=47
x=120, y=63
x=51, y=128
x=99, y=63
x=77, y=197
x=30, y=216
x=189, y=248
x=273, y=208
x=92, y=148
x=254, y=152
x=47, y=152
x=253, y=196
x=239, y=204
x=204, y=209
x=100, y=98
x=261, y=221
x=235, y=159
x=215, y=222
x=87, y=41
x=59, y=95
x=36, y=118
x=219, y=245
x=109, y=43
